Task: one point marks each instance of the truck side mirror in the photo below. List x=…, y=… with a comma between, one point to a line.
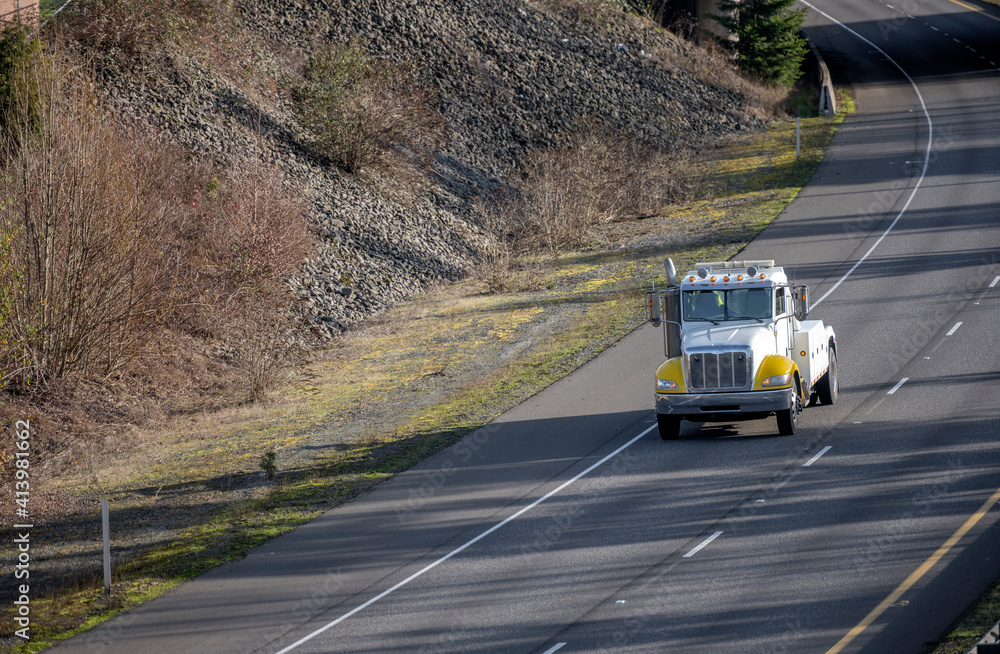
x=801, y=295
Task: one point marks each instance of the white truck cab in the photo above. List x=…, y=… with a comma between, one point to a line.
x=738, y=347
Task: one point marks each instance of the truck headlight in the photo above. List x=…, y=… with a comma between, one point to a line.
x=777, y=380
x=666, y=385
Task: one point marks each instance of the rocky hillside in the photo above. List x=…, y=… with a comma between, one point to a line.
x=510, y=76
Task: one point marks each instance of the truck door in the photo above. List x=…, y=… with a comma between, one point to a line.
x=782, y=321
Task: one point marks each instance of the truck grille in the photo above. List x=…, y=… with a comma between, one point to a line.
x=728, y=370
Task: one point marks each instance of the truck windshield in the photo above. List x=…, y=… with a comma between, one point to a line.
x=731, y=304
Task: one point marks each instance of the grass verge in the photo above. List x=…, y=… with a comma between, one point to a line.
x=407, y=385
x=972, y=625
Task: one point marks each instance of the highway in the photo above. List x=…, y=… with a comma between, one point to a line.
x=567, y=524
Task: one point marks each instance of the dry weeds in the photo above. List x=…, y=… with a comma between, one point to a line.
x=598, y=178
x=135, y=282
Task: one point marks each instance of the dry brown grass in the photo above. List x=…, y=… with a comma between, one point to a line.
x=599, y=178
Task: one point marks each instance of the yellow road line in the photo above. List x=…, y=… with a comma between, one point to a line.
x=974, y=8
x=916, y=574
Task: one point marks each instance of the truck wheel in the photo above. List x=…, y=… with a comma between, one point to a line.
x=789, y=418
x=670, y=427
x=829, y=386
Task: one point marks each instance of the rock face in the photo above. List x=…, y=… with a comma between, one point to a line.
x=511, y=77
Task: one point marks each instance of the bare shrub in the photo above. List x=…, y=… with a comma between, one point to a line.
x=501, y=215
x=84, y=231
x=108, y=237
x=266, y=353
x=598, y=178
x=369, y=115
x=124, y=32
x=260, y=235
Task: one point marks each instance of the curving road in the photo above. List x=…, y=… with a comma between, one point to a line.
x=567, y=525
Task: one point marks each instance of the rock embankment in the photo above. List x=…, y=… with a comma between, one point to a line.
x=511, y=76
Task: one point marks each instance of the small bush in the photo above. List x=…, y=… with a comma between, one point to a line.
x=125, y=32
x=501, y=216
x=263, y=236
x=368, y=115
x=268, y=463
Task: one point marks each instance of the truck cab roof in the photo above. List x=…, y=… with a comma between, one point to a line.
x=723, y=275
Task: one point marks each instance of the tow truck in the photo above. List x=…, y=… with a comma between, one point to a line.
x=738, y=347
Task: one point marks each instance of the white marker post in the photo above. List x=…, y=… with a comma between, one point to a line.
x=107, y=546
x=797, y=139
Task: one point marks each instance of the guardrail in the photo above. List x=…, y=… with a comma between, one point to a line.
x=827, y=97
x=990, y=643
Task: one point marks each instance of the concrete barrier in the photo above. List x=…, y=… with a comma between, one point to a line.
x=990, y=643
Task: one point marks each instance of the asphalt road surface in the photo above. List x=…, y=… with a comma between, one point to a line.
x=567, y=525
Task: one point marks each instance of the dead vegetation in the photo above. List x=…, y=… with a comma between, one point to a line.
x=562, y=193
x=597, y=179
x=128, y=266
x=124, y=34
x=369, y=116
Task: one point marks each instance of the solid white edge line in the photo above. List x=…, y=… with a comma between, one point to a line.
x=554, y=648
x=954, y=329
x=898, y=384
x=697, y=548
x=817, y=456
x=927, y=151
x=996, y=280
x=455, y=551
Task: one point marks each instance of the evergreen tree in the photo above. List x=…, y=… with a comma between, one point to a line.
x=767, y=40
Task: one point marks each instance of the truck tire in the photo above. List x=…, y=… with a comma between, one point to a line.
x=828, y=386
x=670, y=427
x=789, y=418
